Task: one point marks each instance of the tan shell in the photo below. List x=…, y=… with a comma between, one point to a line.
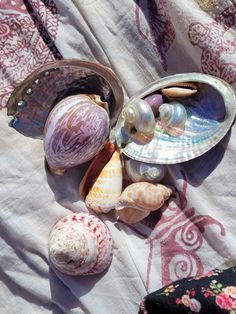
x=139, y=199
x=94, y=169
x=107, y=188
x=180, y=90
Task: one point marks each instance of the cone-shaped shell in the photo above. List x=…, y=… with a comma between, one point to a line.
x=80, y=244
x=107, y=188
x=139, y=199
x=94, y=169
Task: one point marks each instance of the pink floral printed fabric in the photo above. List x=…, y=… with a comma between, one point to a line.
x=215, y=292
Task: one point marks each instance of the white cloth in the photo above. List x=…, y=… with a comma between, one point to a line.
x=194, y=234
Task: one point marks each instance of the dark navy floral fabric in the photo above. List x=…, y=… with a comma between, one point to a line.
x=213, y=293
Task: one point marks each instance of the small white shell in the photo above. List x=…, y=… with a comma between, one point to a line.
x=139, y=199
x=141, y=171
x=80, y=244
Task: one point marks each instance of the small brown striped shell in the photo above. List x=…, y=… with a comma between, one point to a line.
x=180, y=90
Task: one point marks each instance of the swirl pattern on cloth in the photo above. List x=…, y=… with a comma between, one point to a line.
x=217, y=44
x=179, y=233
x=26, y=40
x=154, y=25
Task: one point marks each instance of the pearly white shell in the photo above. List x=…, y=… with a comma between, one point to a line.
x=80, y=244
x=139, y=115
x=173, y=117
x=141, y=171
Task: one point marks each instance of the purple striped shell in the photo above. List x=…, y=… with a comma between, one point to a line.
x=76, y=129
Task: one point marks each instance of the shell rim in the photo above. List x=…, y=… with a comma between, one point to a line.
x=230, y=107
x=101, y=70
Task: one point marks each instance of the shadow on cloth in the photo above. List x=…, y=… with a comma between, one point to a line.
x=59, y=292
x=81, y=286
x=198, y=169
x=66, y=187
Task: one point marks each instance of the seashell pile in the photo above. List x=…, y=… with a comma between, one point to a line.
x=80, y=244
x=74, y=105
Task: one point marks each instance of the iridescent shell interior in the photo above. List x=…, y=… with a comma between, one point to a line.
x=210, y=113
x=34, y=98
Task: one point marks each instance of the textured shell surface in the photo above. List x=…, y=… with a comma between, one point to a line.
x=139, y=199
x=131, y=215
x=75, y=131
x=144, y=196
x=96, y=166
x=210, y=114
x=141, y=171
x=107, y=188
x=80, y=244
x=180, y=90
x=54, y=81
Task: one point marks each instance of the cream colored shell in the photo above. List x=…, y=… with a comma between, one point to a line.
x=107, y=188
x=139, y=199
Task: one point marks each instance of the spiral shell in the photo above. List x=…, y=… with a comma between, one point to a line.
x=75, y=131
x=107, y=188
x=142, y=171
x=173, y=117
x=139, y=117
x=80, y=244
x=139, y=199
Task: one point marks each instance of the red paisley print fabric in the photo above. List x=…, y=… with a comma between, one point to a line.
x=154, y=25
x=218, y=46
x=26, y=40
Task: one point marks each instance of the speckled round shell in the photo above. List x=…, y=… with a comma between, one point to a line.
x=75, y=131
x=80, y=244
x=210, y=114
x=139, y=199
x=33, y=99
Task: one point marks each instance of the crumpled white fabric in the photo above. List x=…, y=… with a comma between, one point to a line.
x=118, y=34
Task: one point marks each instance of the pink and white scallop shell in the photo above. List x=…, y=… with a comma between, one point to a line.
x=80, y=244
x=75, y=131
